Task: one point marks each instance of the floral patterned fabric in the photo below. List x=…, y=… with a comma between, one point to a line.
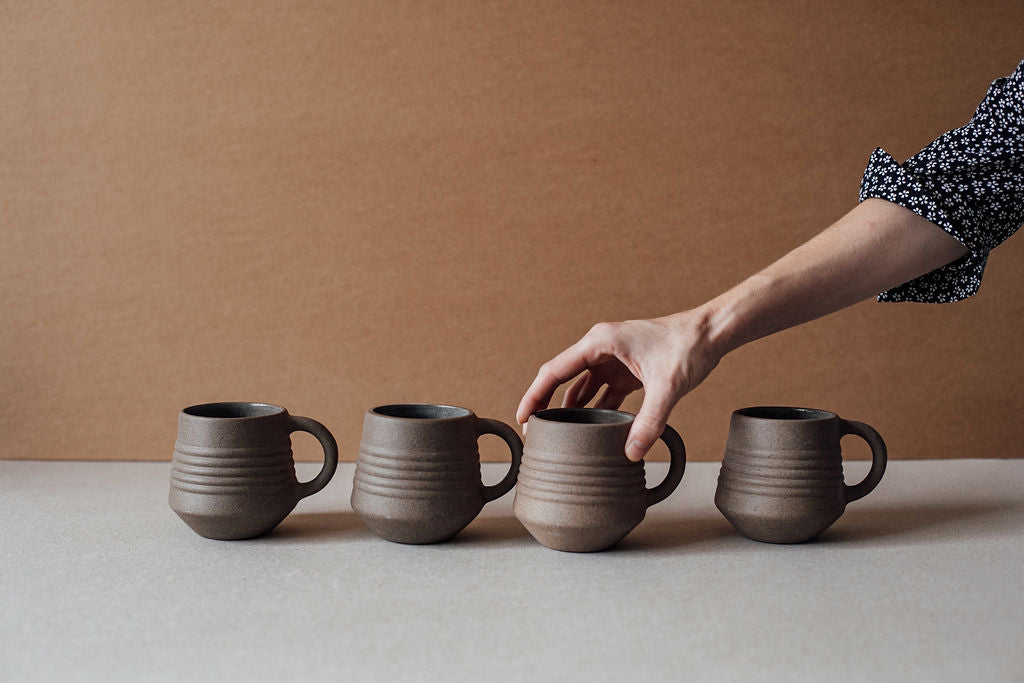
x=969, y=182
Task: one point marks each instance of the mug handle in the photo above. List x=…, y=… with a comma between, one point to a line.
x=515, y=444
x=677, y=453
x=878, y=457
x=330, y=446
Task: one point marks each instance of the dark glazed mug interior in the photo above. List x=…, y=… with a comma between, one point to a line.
x=584, y=416
x=784, y=413
x=233, y=410
x=420, y=411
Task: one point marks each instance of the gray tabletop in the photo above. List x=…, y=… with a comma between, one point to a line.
x=923, y=580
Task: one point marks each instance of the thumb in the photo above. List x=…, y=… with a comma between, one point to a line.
x=649, y=423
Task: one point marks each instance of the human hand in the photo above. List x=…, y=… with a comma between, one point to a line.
x=668, y=357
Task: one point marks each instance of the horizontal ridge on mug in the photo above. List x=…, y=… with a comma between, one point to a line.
x=531, y=480
x=364, y=469
x=812, y=462
x=382, y=474
x=229, y=477
x=782, y=472
x=768, y=471
x=202, y=473
x=440, y=486
x=777, y=490
x=220, y=453
x=396, y=493
x=622, y=479
x=416, y=455
x=566, y=471
x=399, y=464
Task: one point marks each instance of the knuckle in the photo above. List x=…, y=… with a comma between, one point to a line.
x=675, y=385
x=602, y=330
x=648, y=426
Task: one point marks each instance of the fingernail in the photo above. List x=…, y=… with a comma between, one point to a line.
x=635, y=450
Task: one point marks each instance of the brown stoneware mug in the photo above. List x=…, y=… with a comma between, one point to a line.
x=782, y=475
x=418, y=472
x=577, y=491
x=233, y=475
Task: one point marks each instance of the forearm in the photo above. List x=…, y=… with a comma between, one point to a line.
x=874, y=247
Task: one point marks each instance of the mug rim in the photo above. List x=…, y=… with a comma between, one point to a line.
x=550, y=415
x=453, y=412
x=785, y=413
x=261, y=410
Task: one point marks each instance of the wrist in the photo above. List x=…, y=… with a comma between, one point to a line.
x=695, y=331
x=732, y=316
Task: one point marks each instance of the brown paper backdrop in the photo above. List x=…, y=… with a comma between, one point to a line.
x=335, y=205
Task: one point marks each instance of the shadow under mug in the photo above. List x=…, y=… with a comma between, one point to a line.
x=233, y=475
x=418, y=472
x=577, y=489
x=782, y=474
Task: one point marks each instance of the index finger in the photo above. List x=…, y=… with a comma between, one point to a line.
x=553, y=374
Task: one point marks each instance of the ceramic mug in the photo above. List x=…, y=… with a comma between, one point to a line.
x=577, y=491
x=233, y=475
x=782, y=475
x=418, y=472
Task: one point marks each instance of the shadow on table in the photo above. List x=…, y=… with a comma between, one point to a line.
x=900, y=523
x=315, y=527
x=684, y=532
x=650, y=535
x=493, y=530
x=905, y=523
x=318, y=526
x=925, y=522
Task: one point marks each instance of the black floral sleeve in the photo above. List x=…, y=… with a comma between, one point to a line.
x=969, y=182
